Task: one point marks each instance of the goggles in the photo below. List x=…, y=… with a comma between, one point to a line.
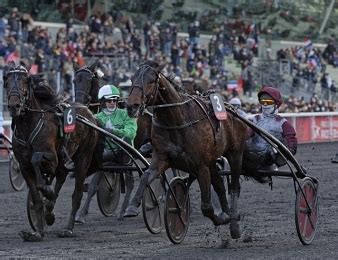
x=267, y=102
x=110, y=100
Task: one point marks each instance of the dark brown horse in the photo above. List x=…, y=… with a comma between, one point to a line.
x=40, y=145
x=187, y=136
x=86, y=83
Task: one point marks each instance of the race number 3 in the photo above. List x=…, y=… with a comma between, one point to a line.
x=218, y=106
x=69, y=117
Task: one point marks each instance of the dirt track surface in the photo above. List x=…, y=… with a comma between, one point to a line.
x=268, y=223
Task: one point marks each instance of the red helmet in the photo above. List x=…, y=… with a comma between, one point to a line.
x=273, y=92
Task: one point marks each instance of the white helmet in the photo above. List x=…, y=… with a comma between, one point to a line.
x=235, y=102
x=108, y=91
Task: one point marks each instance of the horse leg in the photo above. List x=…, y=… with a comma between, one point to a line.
x=81, y=168
x=38, y=207
x=235, y=162
x=47, y=162
x=50, y=203
x=203, y=178
x=40, y=159
x=219, y=188
x=92, y=189
x=130, y=187
x=156, y=167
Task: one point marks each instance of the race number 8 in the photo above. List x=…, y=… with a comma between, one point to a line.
x=218, y=107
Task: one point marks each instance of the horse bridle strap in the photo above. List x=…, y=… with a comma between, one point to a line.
x=33, y=134
x=172, y=104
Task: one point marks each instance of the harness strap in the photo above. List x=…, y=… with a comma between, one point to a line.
x=172, y=104
x=207, y=115
x=32, y=136
x=176, y=127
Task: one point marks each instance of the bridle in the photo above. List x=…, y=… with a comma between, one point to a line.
x=14, y=91
x=86, y=92
x=151, y=96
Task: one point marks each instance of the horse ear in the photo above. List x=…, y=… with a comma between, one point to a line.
x=11, y=64
x=93, y=66
x=76, y=66
x=161, y=67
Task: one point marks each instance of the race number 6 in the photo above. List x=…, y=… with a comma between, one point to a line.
x=70, y=117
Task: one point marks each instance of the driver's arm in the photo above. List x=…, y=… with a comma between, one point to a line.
x=289, y=135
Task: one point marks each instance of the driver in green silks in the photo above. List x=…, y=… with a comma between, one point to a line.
x=115, y=121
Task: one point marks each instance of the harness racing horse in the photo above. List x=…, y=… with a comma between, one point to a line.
x=186, y=137
x=86, y=83
x=40, y=145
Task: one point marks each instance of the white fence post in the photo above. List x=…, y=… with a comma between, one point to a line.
x=73, y=87
x=1, y=102
x=58, y=82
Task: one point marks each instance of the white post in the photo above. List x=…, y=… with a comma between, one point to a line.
x=73, y=87
x=1, y=102
x=58, y=82
x=327, y=15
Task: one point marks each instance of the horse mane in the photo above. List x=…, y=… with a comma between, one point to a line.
x=150, y=63
x=42, y=90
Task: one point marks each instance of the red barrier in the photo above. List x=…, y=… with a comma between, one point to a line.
x=315, y=127
x=310, y=127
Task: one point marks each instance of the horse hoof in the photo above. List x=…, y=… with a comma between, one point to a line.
x=131, y=211
x=234, y=230
x=50, y=218
x=28, y=236
x=225, y=218
x=80, y=219
x=65, y=233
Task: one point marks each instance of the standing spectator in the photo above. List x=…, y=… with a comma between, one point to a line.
x=14, y=23
x=26, y=25
x=333, y=89
x=193, y=31
x=40, y=60
x=2, y=28
x=325, y=83
x=68, y=72
x=146, y=35
x=175, y=57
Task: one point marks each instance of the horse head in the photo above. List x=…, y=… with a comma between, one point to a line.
x=17, y=83
x=86, y=83
x=144, y=87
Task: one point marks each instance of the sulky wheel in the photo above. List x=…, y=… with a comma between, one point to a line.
x=306, y=210
x=177, y=210
x=15, y=176
x=108, y=194
x=31, y=213
x=152, y=206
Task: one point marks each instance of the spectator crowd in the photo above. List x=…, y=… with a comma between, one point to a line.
x=120, y=44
